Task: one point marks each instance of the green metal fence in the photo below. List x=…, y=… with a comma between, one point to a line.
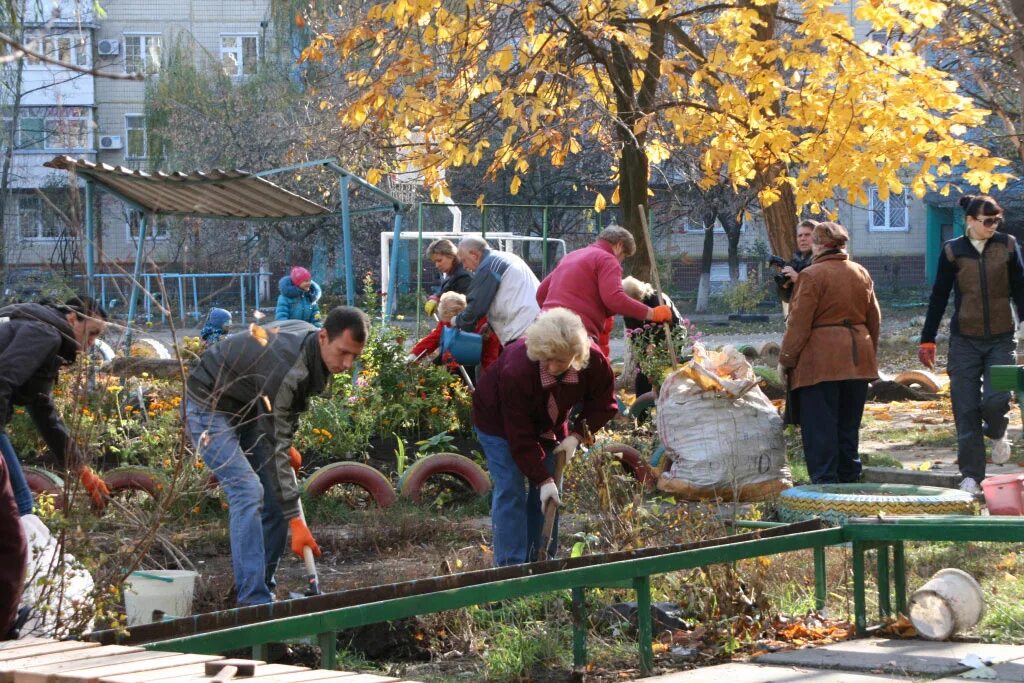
x=886, y=537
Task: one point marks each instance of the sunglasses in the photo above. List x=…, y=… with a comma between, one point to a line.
x=994, y=221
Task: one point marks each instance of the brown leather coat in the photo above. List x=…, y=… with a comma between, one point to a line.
x=833, y=327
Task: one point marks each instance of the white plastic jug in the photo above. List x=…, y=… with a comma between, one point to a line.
x=166, y=590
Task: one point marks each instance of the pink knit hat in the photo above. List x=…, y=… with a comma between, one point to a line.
x=300, y=275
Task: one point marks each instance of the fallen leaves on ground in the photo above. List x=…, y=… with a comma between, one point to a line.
x=900, y=627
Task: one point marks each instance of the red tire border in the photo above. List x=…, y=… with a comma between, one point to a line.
x=411, y=484
x=362, y=475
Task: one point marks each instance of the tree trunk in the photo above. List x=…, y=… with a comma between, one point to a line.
x=732, y=225
x=13, y=111
x=632, y=195
x=780, y=218
x=704, y=288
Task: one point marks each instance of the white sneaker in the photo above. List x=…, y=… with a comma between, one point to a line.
x=1000, y=450
x=970, y=486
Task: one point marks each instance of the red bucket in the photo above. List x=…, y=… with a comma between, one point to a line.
x=1004, y=494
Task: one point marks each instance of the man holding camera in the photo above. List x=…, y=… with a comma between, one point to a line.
x=789, y=271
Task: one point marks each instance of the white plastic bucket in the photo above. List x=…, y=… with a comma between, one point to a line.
x=949, y=602
x=145, y=592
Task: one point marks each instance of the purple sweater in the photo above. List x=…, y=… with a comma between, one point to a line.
x=589, y=283
x=511, y=402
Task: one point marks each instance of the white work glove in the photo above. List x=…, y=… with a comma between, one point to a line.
x=567, y=447
x=783, y=372
x=411, y=358
x=548, y=491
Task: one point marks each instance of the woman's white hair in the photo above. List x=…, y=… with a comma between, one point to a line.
x=558, y=334
x=450, y=305
x=636, y=289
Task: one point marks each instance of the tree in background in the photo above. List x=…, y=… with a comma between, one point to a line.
x=783, y=99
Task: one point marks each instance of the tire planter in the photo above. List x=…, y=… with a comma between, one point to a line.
x=412, y=481
x=918, y=378
x=836, y=503
x=633, y=461
x=643, y=401
x=135, y=479
x=44, y=481
x=355, y=473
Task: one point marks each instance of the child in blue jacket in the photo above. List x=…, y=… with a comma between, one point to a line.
x=299, y=297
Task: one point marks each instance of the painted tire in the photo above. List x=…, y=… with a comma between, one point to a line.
x=135, y=479
x=634, y=463
x=44, y=481
x=355, y=473
x=643, y=401
x=836, y=503
x=769, y=349
x=412, y=481
x=925, y=380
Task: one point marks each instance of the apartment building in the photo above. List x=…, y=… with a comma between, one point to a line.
x=102, y=119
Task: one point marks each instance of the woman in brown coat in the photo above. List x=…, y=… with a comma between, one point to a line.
x=828, y=354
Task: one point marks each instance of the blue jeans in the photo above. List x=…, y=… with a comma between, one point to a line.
x=977, y=410
x=242, y=458
x=22, y=493
x=517, y=520
x=830, y=414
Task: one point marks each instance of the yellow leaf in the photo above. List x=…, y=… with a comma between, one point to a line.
x=480, y=202
x=615, y=196
x=600, y=203
x=373, y=176
x=324, y=104
x=514, y=187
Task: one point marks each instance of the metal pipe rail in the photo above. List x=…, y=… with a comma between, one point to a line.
x=323, y=616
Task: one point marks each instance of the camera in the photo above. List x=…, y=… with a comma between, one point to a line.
x=780, y=279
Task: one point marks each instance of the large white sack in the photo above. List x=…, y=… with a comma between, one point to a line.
x=718, y=427
x=56, y=585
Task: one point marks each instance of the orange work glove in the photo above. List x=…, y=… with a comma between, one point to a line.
x=95, y=487
x=661, y=314
x=926, y=354
x=302, y=538
x=295, y=457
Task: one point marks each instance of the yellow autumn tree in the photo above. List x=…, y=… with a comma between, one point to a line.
x=789, y=103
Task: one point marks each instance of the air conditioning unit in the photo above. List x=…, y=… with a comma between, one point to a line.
x=110, y=142
x=108, y=48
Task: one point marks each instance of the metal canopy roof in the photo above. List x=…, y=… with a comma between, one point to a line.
x=223, y=194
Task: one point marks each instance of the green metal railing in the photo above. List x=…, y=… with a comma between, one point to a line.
x=885, y=536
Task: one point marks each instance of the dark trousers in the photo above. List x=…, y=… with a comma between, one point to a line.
x=977, y=409
x=830, y=414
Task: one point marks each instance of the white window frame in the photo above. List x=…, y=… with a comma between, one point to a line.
x=127, y=137
x=78, y=49
x=43, y=213
x=144, y=49
x=239, y=53
x=55, y=119
x=874, y=201
x=131, y=228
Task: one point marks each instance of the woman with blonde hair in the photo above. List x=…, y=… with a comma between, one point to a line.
x=456, y=278
x=520, y=413
x=829, y=355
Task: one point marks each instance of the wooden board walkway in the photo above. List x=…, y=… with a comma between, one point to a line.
x=40, y=660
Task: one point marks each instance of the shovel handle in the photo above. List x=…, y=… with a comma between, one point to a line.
x=225, y=674
x=550, y=511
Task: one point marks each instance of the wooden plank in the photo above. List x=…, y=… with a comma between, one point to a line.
x=75, y=670
x=8, y=668
x=268, y=670
x=368, y=678
x=314, y=675
x=44, y=649
x=24, y=642
x=176, y=666
x=144, y=668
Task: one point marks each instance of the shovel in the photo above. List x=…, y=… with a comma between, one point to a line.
x=551, y=510
x=312, y=577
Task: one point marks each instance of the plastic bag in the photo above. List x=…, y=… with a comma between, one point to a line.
x=57, y=586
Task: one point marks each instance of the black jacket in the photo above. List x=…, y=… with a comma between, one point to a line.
x=456, y=281
x=270, y=381
x=35, y=341
x=983, y=286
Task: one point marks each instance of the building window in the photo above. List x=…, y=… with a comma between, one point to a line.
x=54, y=128
x=239, y=54
x=137, y=146
x=68, y=48
x=37, y=221
x=891, y=214
x=153, y=232
x=142, y=53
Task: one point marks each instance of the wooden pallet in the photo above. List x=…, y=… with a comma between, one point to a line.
x=40, y=660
